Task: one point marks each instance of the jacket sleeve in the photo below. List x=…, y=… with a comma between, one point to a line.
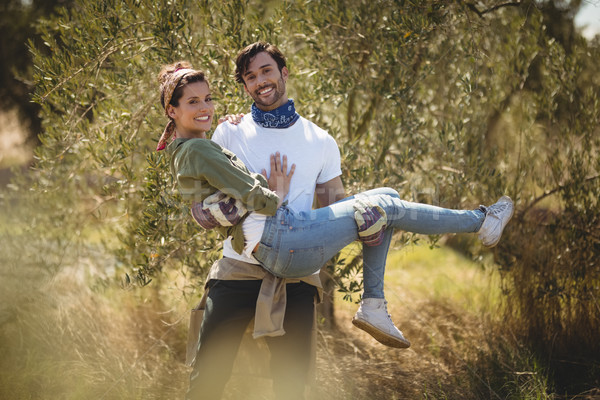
x=206, y=161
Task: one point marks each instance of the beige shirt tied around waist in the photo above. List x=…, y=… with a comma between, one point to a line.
x=272, y=299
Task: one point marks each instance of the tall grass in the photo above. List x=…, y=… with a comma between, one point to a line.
x=464, y=320
x=451, y=310
x=69, y=330
x=69, y=342
x=552, y=279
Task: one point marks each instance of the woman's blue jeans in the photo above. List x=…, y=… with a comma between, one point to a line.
x=295, y=245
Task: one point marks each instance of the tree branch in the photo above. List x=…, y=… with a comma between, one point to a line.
x=474, y=8
x=550, y=193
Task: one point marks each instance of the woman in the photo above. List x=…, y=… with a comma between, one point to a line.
x=249, y=207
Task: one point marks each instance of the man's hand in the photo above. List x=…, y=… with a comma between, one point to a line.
x=278, y=178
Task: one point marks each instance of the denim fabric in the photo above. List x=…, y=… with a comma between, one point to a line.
x=294, y=245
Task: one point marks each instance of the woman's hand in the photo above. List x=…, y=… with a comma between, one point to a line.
x=233, y=119
x=279, y=180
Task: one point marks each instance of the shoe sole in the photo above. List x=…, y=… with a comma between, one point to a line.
x=380, y=336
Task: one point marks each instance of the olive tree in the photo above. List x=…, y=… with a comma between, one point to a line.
x=450, y=103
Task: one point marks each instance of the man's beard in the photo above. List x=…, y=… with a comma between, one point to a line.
x=279, y=92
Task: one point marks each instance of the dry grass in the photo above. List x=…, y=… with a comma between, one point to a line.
x=68, y=339
x=435, y=298
x=64, y=340
x=442, y=303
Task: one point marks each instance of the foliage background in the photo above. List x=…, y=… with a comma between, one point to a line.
x=451, y=103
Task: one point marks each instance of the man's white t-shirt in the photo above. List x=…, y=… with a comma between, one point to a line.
x=313, y=150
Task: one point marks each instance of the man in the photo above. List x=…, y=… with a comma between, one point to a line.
x=238, y=288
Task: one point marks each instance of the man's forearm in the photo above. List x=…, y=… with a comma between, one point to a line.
x=330, y=192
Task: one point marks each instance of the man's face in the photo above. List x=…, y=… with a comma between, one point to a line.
x=264, y=83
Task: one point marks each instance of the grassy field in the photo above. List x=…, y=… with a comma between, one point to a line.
x=447, y=306
x=68, y=330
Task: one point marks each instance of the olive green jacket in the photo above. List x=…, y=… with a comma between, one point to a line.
x=201, y=167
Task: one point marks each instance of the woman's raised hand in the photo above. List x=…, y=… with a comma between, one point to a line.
x=278, y=178
x=232, y=118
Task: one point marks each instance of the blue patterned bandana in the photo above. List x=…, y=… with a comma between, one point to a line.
x=281, y=117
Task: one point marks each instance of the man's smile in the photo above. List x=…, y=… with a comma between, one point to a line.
x=266, y=90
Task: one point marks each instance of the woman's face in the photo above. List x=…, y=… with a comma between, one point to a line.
x=193, y=116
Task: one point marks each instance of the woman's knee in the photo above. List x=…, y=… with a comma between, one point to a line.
x=391, y=192
x=385, y=191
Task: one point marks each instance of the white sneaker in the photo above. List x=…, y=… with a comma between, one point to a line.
x=373, y=318
x=496, y=218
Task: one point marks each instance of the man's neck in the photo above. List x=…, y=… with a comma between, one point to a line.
x=281, y=117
